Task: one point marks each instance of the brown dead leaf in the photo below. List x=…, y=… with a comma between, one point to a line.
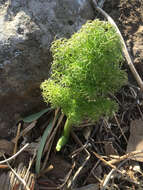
x=109, y=149
x=135, y=142
x=6, y=147
x=87, y=132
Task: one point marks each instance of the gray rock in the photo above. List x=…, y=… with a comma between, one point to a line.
x=27, y=29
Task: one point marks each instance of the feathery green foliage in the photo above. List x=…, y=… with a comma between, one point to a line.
x=85, y=69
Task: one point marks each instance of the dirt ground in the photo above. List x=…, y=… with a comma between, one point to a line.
x=128, y=14
x=76, y=167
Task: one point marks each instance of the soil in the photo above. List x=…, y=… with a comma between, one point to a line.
x=110, y=137
x=128, y=15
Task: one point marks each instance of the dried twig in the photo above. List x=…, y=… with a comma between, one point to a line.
x=104, y=161
x=30, y=164
x=67, y=176
x=50, y=142
x=93, y=173
x=108, y=177
x=118, y=124
x=126, y=156
x=15, y=155
x=124, y=159
x=83, y=147
x=114, y=168
x=17, y=137
x=19, y=178
x=55, y=129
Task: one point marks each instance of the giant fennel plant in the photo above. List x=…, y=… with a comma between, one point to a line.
x=86, y=68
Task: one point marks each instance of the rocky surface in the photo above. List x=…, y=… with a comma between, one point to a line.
x=27, y=29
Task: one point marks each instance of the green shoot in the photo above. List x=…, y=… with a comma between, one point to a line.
x=85, y=69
